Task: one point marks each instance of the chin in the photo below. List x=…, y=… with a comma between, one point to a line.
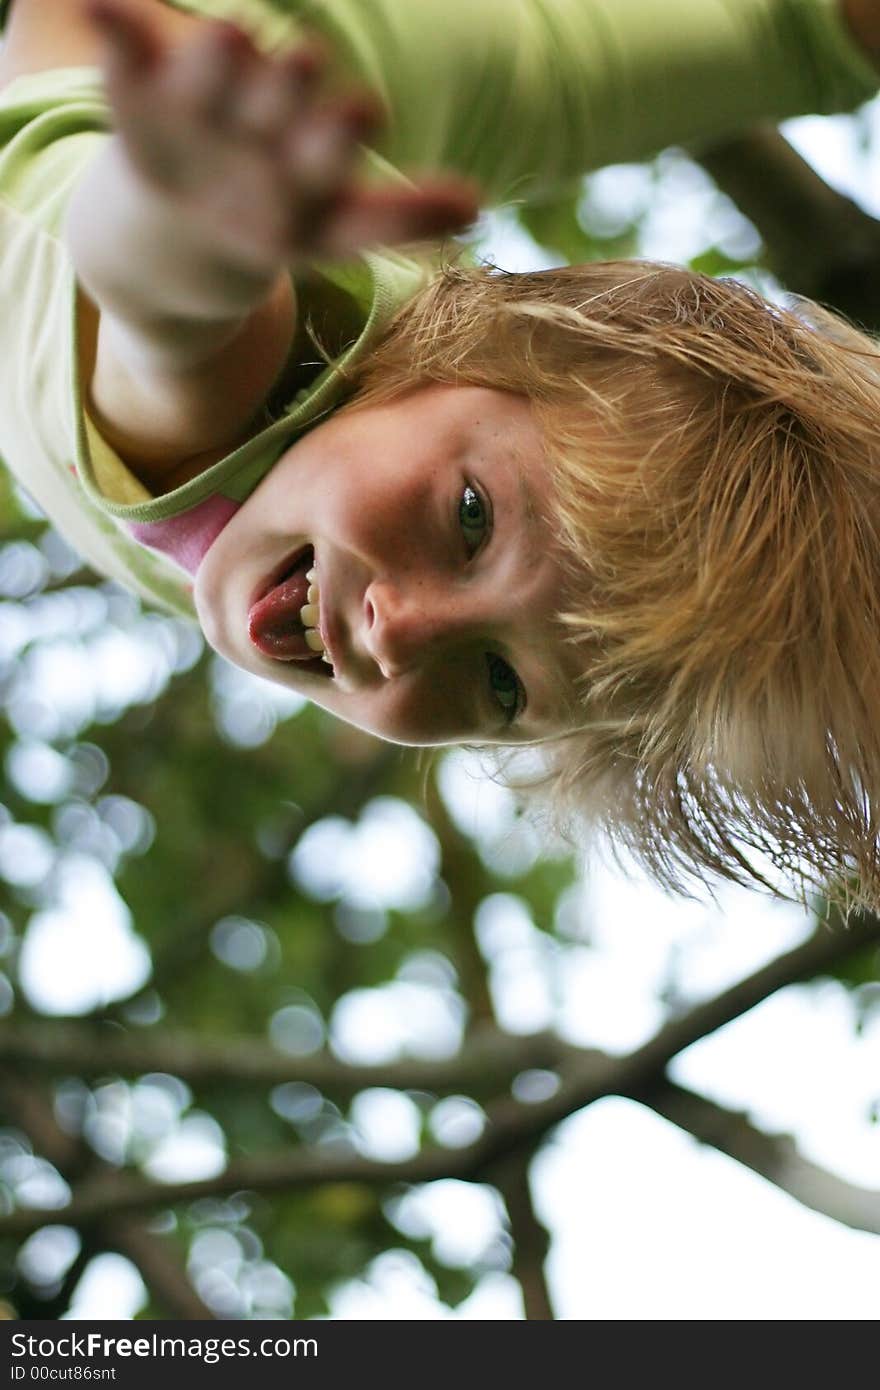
x=215, y=631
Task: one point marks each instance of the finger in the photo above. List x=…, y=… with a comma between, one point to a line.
x=319, y=153
x=264, y=105
x=206, y=74
x=390, y=216
x=305, y=64
x=276, y=91
x=131, y=44
x=274, y=94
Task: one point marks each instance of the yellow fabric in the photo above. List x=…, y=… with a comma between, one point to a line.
x=115, y=480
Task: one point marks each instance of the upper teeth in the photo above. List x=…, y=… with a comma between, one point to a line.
x=310, y=616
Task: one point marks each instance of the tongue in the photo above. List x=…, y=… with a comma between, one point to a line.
x=273, y=621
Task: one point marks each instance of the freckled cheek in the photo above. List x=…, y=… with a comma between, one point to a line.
x=386, y=513
x=425, y=710
x=373, y=711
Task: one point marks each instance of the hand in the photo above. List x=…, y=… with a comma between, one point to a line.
x=251, y=152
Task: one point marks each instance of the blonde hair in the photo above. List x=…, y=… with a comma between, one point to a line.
x=715, y=476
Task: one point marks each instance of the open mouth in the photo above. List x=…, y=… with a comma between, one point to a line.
x=284, y=617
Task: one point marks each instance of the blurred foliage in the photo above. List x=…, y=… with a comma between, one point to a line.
x=218, y=818
x=211, y=880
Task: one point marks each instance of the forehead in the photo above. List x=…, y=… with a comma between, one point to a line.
x=500, y=428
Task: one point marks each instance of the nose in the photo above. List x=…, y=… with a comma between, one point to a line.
x=403, y=625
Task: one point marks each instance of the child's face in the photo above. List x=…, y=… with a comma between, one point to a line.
x=439, y=579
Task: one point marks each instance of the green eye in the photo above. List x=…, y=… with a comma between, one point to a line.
x=505, y=685
x=473, y=518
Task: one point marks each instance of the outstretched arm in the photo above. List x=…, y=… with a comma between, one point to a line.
x=196, y=316
x=226, y=168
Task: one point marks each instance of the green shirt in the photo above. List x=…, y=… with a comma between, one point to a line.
x=522, y=94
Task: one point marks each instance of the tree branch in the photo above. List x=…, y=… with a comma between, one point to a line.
x=489, y=1062
x=584, y=1082
x=819, y=243
x=512, y=1127
x=473, y=884
x=531, y=1239
x=772, y=1156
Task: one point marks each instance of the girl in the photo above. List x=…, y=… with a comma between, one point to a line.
x=622, y=511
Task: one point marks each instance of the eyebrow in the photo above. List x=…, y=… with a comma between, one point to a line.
x=530, y=511
x=557, y=709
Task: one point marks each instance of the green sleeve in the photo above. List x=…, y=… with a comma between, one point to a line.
x=528, y=93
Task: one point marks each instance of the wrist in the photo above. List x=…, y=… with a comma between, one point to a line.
x=142, y=259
